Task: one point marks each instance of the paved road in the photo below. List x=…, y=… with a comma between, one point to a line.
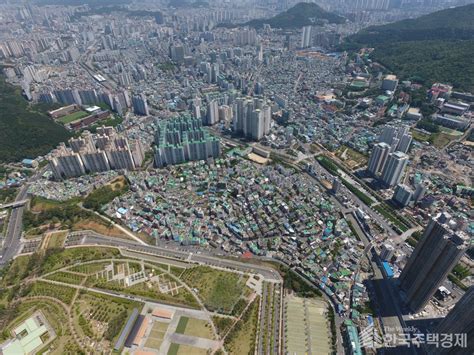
x=11, y=244
x=262, y=330
x=94, y=239
x=388, y=301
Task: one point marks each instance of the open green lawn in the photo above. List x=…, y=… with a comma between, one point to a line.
x=56, y=240
x=183, y=322
x=241, y=339
x=351, y=157
x=449, y=131
x=57, y=260
x=219, y=290
x=442, y=139
x=420, y=137
x=173, y=350
x=194, y=327
x=198, y=328
x=73, y=117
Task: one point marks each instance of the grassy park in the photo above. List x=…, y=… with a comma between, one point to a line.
x=59, y=282
x=219, y=290
x=194, y=327
x=241, y=339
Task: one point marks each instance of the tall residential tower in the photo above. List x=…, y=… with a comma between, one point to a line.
x=437, y=252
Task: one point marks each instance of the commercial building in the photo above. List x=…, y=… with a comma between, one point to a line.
x=30, y=336
x=419, y=193
x=394, y=168
x=458, y=108
x=437, y=252
x=413, y=113
x=183, y=139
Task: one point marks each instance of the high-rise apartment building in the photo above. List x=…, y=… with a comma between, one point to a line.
x=252, y=118
x=378, y=158
x=140, y=106
x=437, y=252
x=66, y=163
x=403, y=195
x=394, y=168
x=399, y=139
x=306, y=37
x=90, y=153
x=212, y=115
x=458, y=325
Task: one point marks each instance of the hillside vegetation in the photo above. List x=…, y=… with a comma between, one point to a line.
x=434, y=47
x=25, y=131
x=302, y=14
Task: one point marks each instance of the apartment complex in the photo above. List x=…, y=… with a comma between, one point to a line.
x=92, y=153
x=252, y=118
x=183, y=139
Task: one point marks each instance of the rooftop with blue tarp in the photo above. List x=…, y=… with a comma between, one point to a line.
x=387, y=269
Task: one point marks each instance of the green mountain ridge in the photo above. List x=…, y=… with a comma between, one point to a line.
x=434, y=47
x=302, y=14
x=25, y=131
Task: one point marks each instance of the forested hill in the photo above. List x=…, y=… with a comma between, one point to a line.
x=302, y=14
x=25, y=131
x=434, y=47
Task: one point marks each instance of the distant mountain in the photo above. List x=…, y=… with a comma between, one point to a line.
x=434, y=47
x=302, y=14
x=188, y=3
x=92, y=3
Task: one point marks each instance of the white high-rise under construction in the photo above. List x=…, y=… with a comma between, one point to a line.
x=306, y=37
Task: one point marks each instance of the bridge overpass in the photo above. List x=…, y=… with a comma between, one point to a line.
x=14, y=204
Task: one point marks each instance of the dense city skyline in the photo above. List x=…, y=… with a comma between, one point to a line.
x=236, y=177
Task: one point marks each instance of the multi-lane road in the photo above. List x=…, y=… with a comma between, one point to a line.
x=11, y=244
x=93, y=239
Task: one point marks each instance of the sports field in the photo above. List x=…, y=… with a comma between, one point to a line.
x=72, y=117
